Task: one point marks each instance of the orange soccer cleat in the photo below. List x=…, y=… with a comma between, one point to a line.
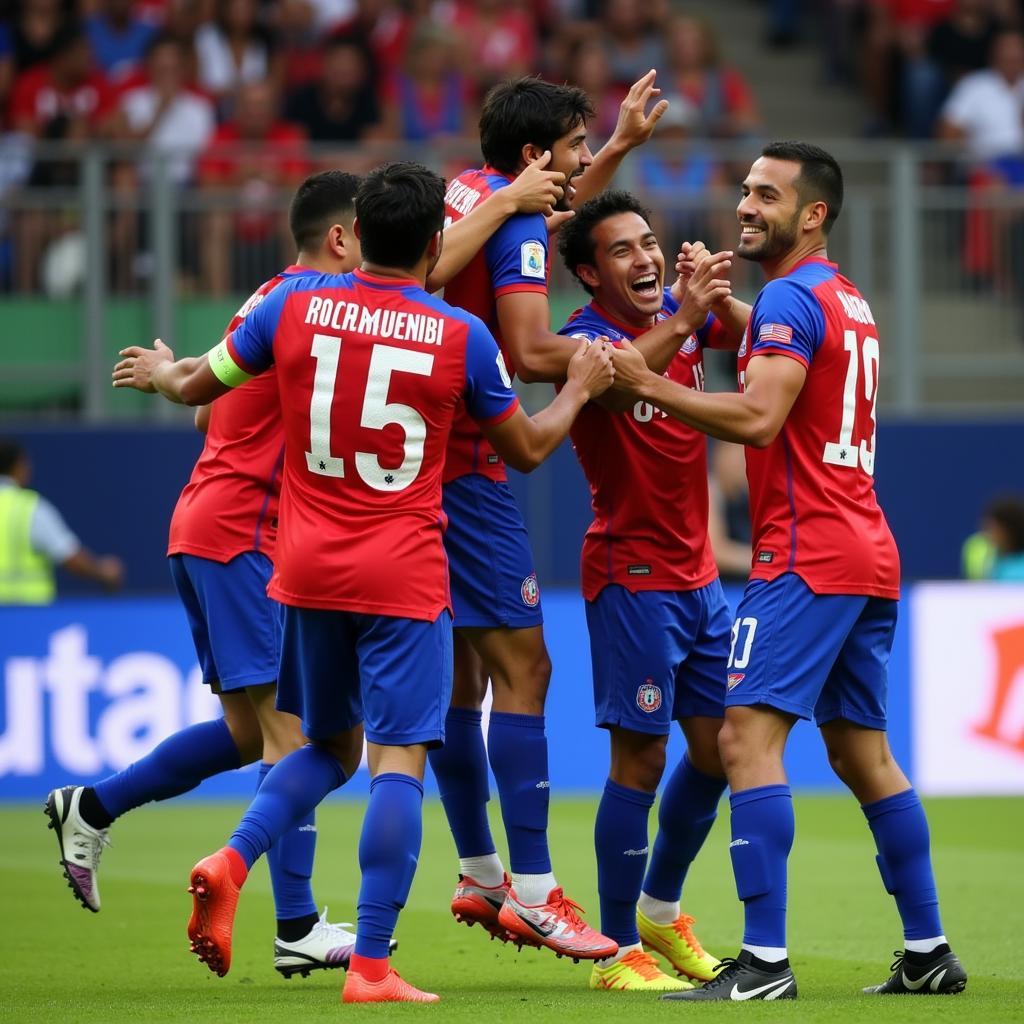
x=215, y=892
x=557, y=925
x=392, y=988
x=474, y=903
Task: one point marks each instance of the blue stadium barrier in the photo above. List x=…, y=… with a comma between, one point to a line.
x=88, y=686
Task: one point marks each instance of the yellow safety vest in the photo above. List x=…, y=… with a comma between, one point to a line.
x=26, y=576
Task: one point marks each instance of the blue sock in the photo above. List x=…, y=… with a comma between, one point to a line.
x=620, y=838
x=689, y=806
x=518, y=751
x=289, y=793
x=171, y=768
x=389, y=847
x=900, y=828
x=762, y=836
x=290, y=860
x=460, y=767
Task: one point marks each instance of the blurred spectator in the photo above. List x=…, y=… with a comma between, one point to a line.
x=342, y=105
x=720, y=95
x=6, y=70
x=36, y=26
x=500, y=40
x=34, y=538
x=996, y=552
x=119, y=38
x=588, y=68
x=632, y=40
x=729, y=511
x=430, y=97
x=681, y=177
x=234, y=49
x=784, y=18
x=252, y=159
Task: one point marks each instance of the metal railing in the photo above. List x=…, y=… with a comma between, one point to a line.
x=101, y=246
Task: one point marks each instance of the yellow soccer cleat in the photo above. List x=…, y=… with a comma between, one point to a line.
x=635, y=972
x=678, y=945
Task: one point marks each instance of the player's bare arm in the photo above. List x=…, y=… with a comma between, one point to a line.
x=635, y=126
x=536, y=190
x=189, y=381
x=202, y=418
x=524, y=442
x=732, y=314
x=754, y=417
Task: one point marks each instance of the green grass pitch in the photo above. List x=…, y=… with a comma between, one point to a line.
x=59, y=963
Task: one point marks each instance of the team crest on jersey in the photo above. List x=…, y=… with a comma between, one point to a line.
x=531, y=259
x=648, y=697
x=743, y=344
x=734, y=679
x=530, y=591
x=690, y=345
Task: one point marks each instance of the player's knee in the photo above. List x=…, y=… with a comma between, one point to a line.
x=731, y=748
x=247, y=737
x=639, y=765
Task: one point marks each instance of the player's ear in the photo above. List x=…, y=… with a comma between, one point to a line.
x=588, y=275
x=434, y=246
x=816, y=214
x=530, y=152
x=337, y=240
x=356, y=229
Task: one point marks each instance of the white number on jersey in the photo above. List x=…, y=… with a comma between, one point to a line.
x=844, y=452
x=377, y=413
x=750, y=624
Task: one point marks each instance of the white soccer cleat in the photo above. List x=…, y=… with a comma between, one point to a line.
x=81, y=845
x=325, y=947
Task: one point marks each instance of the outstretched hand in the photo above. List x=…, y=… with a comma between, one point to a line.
x=635, y=125
x=135, y=370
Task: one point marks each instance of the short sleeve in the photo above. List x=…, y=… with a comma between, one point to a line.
x=787, y=320
x=50, y=535
x=249, y=348
x=489, y=396
x=517, y=255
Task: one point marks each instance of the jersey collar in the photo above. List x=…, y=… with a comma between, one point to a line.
x=386, y=282
x=628, y=329
x=815, y=259
x=488, y=169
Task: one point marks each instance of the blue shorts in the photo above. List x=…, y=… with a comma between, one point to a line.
x=493, y=579
x=658, y=656
x=820, y=656
x=342, y=668
x=235, y=627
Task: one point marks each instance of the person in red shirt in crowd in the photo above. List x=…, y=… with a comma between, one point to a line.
x=723, y=100
x=251, y=157
x=64, y=99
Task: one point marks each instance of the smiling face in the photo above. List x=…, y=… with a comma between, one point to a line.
x=570, y=155
x=627, y=275
x=771, y=211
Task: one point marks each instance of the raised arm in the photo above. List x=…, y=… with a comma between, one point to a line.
x=633, y=129
x=189, y=381
x=524, y=442
x=755, y=417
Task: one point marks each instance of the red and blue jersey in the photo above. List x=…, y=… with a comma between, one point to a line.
x=648, y=477
x=371, y=371
x=230, y=503
x=812, y=490
x=514, y=259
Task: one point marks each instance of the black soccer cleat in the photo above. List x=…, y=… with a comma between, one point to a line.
x=938, y=973
x=739, y=979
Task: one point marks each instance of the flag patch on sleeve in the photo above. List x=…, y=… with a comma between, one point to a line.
x=531, y=259
x=779, y=333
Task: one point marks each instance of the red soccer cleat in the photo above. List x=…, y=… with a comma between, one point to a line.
x=557, y=925
x=214, y=901
x=392, y=988
x=474, y=903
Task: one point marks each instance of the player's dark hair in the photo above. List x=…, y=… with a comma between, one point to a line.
x=11, y=453
x=526, y=111
x=576, y=238
x=321, y=200
x=400, y=207
x=1008, y=512
x=821, y=178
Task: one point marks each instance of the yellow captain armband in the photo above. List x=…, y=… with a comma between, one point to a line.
x=225, y=369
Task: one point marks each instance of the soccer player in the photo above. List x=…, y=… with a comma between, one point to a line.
x=221, y=551
x=372, y=369
x=814, y=629
x=658, y=620
x=495, y=595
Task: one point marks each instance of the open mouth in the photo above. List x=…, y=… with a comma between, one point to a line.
x=750, y=232
x=646, y=286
